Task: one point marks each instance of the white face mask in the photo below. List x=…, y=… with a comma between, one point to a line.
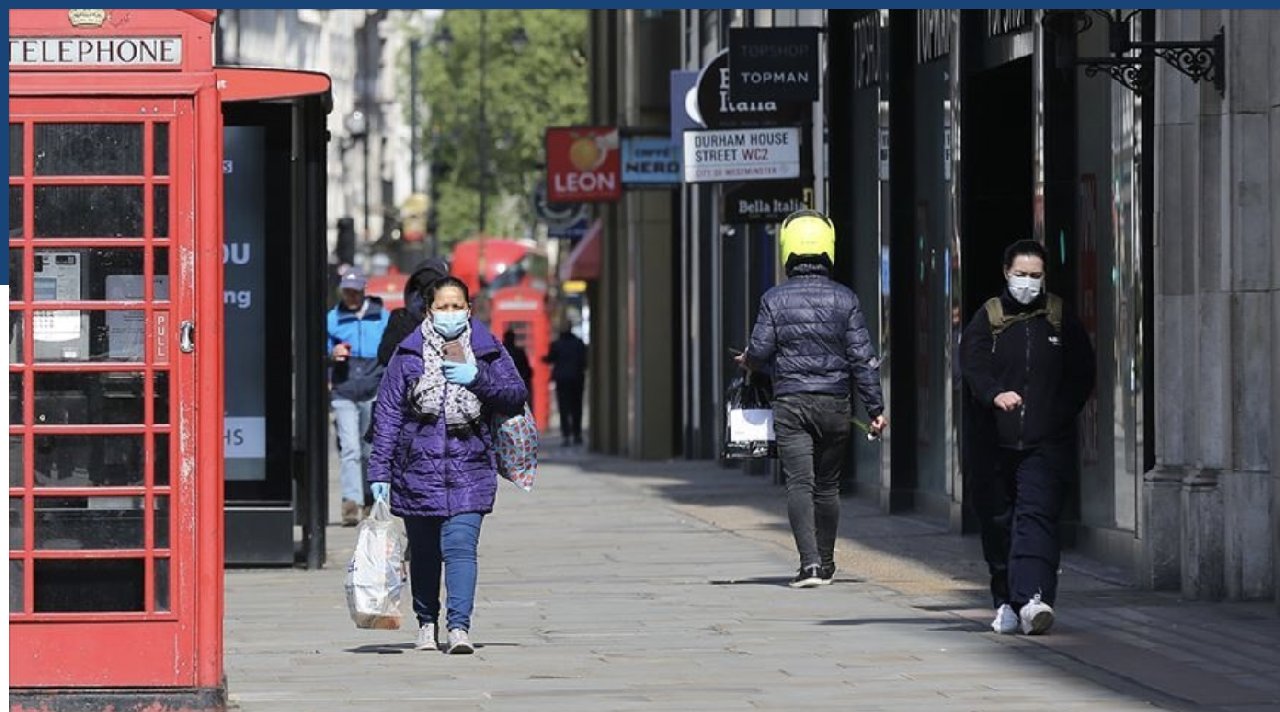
x=1025, y=289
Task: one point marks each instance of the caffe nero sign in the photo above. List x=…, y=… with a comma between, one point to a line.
x=718, y=109
x=773, y=63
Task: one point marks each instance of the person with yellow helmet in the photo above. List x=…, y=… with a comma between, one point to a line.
x=810, y=332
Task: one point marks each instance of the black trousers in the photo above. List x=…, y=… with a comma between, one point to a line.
x=1018, y=500
x=569, y=399
x=812, y=432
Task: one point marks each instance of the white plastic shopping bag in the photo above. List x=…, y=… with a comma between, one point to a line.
x=376, y=574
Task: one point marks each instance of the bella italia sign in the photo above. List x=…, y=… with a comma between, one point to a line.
x=95, y=51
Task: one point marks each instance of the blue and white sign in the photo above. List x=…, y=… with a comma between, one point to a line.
x=650, y=160
x=573, y=231
x=683, y=83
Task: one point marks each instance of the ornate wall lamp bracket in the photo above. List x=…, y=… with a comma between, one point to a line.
x=1199, y=60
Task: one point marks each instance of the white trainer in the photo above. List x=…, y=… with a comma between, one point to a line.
x=427, y=637
x=1006, y=622
x=459, y=643
x=1036, y=616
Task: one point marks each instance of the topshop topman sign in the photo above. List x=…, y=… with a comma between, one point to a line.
x=778, y=63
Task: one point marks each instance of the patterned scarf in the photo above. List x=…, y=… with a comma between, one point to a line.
x=432, y=392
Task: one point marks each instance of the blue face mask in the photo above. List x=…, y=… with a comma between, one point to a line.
x=449, y=324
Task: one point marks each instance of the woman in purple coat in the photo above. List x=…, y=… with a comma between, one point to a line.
x=432, y=455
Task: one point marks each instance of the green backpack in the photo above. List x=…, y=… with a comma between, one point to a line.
x=1052, y=311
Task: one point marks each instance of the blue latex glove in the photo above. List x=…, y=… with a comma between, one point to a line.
x=381, y=491
x=460, y=374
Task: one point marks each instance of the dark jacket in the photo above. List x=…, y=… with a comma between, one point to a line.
x=568, y=358
x=356, y=378
x=521, y=360
x=433, y=474
x=409, y=317
x=1053, y=372
x=810, y=329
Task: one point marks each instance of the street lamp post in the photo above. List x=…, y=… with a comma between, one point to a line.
x=518, y=41
x=357, y=125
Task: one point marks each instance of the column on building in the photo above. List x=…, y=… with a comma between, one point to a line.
x=634, y=386
x=1211, y=521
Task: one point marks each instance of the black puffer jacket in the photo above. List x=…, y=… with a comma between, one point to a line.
x=810, y=329
x=1053, y=372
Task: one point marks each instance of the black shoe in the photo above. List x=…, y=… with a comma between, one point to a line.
x=807, y=577
x=827, y=573
x=564, y=442
x=577, y=439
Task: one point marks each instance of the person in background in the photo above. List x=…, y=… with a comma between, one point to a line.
x=811, y=331
x=1028, y=371
x=354, y=328
x=568, y=359
x=521, y=360
x=433, y=460
x=406, y=319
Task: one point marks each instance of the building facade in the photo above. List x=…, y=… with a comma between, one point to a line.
x=362, y=51
x=944, y=136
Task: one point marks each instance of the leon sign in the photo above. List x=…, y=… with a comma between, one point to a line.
x=583, y=165
x=741, y=154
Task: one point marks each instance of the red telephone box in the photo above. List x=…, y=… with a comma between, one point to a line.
x=115, y=489
x=523, y=310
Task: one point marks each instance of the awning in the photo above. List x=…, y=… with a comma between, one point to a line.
x=584, y=261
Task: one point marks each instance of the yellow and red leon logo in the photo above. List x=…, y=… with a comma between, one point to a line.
x=583, y=165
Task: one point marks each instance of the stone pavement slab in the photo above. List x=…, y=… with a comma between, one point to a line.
x=661, y=586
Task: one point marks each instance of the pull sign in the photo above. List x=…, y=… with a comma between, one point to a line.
x=162, y=336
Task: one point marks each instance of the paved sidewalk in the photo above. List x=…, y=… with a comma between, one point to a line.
x=661, y=586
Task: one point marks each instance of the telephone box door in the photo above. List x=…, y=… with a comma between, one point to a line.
x=103, y=515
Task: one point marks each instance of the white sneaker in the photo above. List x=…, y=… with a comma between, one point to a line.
x=459, y=643
x=1036, y=616
x=427, y=637
x=1006, y=622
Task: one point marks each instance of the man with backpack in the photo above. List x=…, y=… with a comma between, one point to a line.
x=1028, y=369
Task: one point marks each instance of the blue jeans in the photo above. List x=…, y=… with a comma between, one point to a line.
x=352, y=419
x=451, y=541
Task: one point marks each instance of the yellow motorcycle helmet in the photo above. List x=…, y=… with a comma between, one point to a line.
x=807, y=233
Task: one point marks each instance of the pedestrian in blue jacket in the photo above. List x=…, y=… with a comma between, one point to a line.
x=433, y=459
x=354, y=327
x=810, y=329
